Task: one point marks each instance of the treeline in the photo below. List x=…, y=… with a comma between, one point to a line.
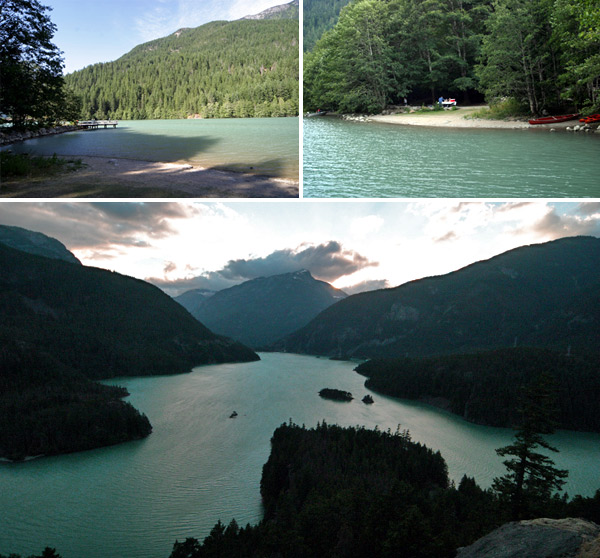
x=47, y=409
x=542, y=54
x=221, y=69
x=353, y=493
x=482, y=387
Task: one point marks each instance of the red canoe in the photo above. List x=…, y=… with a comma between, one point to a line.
x=591, y=119
x=554, y=119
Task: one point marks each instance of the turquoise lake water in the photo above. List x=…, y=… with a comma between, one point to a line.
x=368, y=159
x=198, y=466
x=258, y=145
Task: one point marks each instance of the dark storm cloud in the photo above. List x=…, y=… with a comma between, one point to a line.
x=98, y=225
x=579, y=223
x=328, y=261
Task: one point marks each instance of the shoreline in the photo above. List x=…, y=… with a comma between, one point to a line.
x=456, y=119
x=116, y=177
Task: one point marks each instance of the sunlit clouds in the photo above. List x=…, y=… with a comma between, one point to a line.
x=353, y=245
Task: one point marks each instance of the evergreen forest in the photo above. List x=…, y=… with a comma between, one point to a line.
x=481, y=387
x=533, y=56
x=353, y=493
x=63, y=325
x=244, y=68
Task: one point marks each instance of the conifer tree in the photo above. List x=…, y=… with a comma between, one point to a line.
x=532, y=477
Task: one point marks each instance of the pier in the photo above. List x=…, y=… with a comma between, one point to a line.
x=95, y=124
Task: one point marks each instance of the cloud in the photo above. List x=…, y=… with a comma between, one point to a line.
x=368, y=285
x=100, y=228
x=363, y=227
x=327, y=261
x=167, y=16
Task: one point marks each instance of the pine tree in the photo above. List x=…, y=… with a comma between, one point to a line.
x=532, y=477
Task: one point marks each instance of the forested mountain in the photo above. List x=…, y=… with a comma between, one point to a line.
x=318, y=17
x=262, y=310
x=221, y=69
x=35, y=243
x=542, y=54
x=483, y=387
x=102, y=323
x=62, y=325
x=544, y=295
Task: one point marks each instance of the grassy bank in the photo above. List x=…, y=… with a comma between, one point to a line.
x=23, y=165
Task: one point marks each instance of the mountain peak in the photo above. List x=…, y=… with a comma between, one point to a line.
x=35, y=243
x=282, y=11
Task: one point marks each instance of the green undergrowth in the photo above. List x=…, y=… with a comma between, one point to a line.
x=502, y=110
x=16, y=165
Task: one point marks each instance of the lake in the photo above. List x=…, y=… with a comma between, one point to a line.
x=134, y=500
x=367, y=159
x=266, y=146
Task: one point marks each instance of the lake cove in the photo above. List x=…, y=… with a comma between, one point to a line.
x=198, y=466
x=265, y=146
x=374, y=159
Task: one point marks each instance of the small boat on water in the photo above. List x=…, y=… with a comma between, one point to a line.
x=318, y=113
x=553, y=119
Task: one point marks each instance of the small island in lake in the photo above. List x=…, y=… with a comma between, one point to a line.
x=367, y=399
x=336, y=394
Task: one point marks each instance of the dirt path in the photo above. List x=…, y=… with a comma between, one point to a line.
x=102, y=177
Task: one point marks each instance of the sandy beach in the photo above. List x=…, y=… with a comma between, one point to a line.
x=456, y=119
x=111, y=177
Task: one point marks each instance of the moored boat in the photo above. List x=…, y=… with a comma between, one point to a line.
x=553, y=119
x=318, y=113
x=591, y=119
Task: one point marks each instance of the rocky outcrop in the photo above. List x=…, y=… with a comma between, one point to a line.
x=538, y=538
x=11, y=136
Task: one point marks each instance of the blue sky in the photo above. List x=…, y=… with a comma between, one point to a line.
x=91, y=31
x=362, y=244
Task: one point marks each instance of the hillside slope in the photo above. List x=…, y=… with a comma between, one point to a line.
x=544, y=295
x=102, y=323
x=221, y=69
x=262, y=310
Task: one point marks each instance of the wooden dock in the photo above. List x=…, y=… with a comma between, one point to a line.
x=95, y=124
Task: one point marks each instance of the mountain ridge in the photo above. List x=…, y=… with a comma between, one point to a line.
x=261, y=310
x=539, y=295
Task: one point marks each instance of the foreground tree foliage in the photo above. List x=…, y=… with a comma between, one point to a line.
x=542, y=53
x=32, y=90
x=351, y=492
x=532, y=478
x=333, y=492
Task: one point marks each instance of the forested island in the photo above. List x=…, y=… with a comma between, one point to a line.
x=530, y=56
x=336, y=394
x=482, y=387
